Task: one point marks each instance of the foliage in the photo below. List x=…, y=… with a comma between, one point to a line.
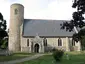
x=58, y=54
x=3, y=27
x=83, y=42
x=54, y=49
x=78, y=19
x=5, y=43
x=79, y=35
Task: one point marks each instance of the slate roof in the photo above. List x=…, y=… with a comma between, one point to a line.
x=31, y=27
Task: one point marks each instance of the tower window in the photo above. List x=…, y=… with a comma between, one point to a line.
x=27, y=42
x=16, y=11
x=59, y=42
x=45, y=42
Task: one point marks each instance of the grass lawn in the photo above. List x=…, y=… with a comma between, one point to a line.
x=47, y=59
x=74, y=58
x=14, y=56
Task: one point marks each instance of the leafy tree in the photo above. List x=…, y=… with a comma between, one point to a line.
x=83, y=42
x=3, y=27
x=78, y=21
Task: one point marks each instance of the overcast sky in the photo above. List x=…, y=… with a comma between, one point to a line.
x=40, y=9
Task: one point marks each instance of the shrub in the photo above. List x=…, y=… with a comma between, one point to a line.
x=4, y=44
x=54, y=49
x=58, y=54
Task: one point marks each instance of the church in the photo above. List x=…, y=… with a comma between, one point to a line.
x=37, y=35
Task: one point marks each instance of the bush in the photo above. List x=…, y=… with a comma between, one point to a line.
x=4, y=44
x=54, y=49
x=58, y=54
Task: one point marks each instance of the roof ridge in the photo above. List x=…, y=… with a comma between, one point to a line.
x=47, y=19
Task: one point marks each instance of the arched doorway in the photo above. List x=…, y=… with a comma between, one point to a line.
x=36, y=48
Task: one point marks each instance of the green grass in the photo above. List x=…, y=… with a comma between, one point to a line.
x=14, y=56
x=23, y=54
x=74, y=58
x=46, y=59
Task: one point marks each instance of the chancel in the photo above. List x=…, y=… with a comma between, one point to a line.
x=37, y=35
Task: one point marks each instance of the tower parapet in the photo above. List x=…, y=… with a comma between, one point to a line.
x=16, y=20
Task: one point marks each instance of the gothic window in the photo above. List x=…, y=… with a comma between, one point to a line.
x=45, y=42
x=27, y=42
x=16, y=11
x=73, y=42
x=59, y=42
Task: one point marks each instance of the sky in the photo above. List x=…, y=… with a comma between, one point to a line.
x=39, y=9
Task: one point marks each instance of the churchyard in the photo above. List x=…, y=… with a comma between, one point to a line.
x=14, y=56
x=72, y=58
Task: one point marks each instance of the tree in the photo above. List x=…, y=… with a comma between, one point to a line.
x=78, y=21
x=58, y=54
x=3, y=27
x=83, y=42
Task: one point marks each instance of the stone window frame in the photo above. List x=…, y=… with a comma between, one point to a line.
x=59, y=42
x=45, y=42
x=73, y=42
x=27, y=42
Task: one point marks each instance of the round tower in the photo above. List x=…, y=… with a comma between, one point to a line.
x=16, y=20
